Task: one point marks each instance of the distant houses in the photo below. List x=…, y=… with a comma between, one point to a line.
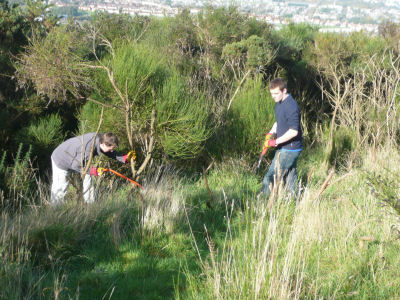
x=330, y=18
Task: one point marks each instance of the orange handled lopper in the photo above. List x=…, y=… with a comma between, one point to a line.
x=101, y=171
x=268, y=136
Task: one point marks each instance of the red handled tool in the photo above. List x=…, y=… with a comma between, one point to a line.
x=268, y=136
x=101, y=171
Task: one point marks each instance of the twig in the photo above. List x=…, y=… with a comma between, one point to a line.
x=365, y=239
x=325, y=184
x=151, y=142
x=143, y=32
x=341, y=178
x=103, y=104
x=92, y=147
x=237, y=89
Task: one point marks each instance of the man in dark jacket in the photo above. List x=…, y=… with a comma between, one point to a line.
x=73, y=155
x=288, y=137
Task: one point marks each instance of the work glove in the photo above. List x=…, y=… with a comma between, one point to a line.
x=131, y=155
x=268, y=137
x=272, y=143
x=93, y=171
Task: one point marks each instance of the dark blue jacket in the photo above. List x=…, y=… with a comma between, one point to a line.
x=287, y=114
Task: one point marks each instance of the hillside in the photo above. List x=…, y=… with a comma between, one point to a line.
x=192, y=96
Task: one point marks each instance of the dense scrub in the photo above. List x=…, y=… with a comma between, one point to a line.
x=187, y=92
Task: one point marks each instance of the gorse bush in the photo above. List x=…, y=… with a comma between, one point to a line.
x=251, y=116
x=43, y=136
x=54, y=64
x=122, y=27
x=183, y=120
x=253, y=53
x=293, y=39
x=359, y=78
x=138, y=72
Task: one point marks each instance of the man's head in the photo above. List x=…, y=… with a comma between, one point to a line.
x=108, y=142
x=278, y=89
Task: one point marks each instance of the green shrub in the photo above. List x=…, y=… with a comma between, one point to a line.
x=53, y=64
x=119, y=26
x=293, y=39
x=137, y=71
x=182, y=121
x=143, y=76
x=43, y=135
x=251, y=116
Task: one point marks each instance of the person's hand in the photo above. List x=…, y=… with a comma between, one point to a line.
x=131, y=155
x=272, y=143
x=93, y=171
x=268, y=136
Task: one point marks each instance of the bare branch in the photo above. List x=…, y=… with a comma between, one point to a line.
x=104, y=104
x=237, y=89
x=85, y=170
x=151, y=141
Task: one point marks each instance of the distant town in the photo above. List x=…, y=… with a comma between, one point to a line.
x=336, y=15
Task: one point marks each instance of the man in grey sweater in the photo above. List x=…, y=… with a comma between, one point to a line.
x=73, y=155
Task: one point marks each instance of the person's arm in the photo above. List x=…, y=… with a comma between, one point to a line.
x=116, y=155
x=287, y=136
x=273, y=129
x=131, y=155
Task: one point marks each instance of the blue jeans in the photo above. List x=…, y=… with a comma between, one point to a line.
x=287, y=166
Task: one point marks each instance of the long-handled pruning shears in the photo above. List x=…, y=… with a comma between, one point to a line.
x=101, y=171
x=268, y=136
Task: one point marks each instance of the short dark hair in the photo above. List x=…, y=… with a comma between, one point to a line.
x=109, y=139
x=278, y=82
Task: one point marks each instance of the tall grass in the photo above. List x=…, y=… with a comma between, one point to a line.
x=19, y=181
x=47, y=252
x=334, y=244
x=257, y=260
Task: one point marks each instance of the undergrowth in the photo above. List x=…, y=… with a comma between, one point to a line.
x=337, y=242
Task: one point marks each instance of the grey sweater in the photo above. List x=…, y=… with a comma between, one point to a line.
x=74, y=153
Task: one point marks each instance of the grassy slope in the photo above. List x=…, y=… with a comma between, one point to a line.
x=121, y=250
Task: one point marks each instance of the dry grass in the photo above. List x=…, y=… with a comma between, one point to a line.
x=334, y=245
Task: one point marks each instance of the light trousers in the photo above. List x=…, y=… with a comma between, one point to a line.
x=60, y=184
